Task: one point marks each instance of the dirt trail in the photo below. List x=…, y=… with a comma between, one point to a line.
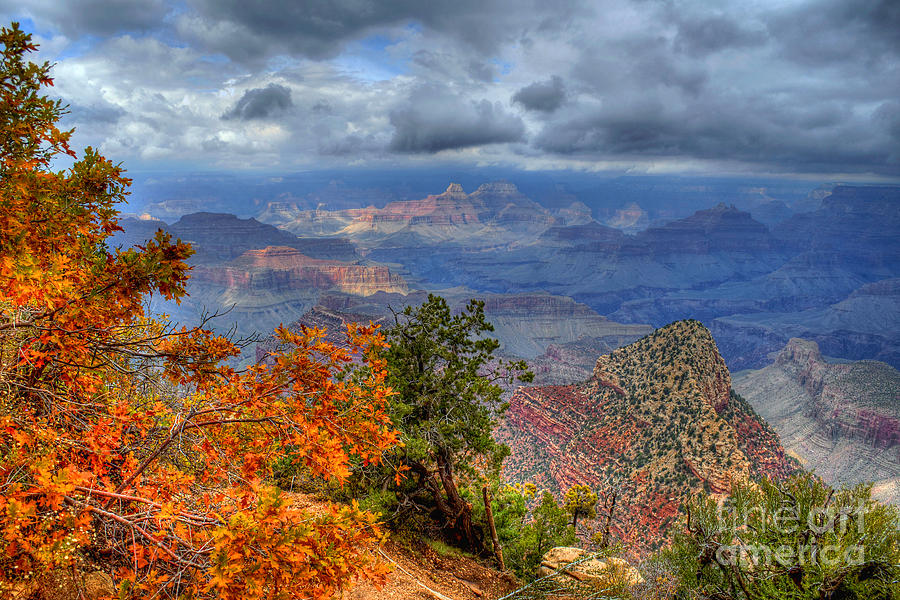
x=421, y=573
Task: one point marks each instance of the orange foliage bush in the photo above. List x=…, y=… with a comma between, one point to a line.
x=128, y=443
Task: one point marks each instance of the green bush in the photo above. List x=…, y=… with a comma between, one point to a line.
x=525, y=535
x=799, y=540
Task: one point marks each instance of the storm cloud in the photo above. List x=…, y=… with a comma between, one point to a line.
x=92, y=17
x=544, y=96
x=435, y=119
x=795, y=87
x=261, y=103
x=319, y=29
x=707, y=35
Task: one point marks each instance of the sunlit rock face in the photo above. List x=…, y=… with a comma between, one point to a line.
x=257, y=274
x=278, y=269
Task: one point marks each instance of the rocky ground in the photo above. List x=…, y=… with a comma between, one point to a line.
x=422, y=573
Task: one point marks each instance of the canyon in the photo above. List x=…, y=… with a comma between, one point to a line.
x=826, y=269
x=841, y=420
x=823, y=272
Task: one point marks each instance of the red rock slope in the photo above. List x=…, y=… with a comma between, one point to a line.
x=657, y=421
x=841, y=420
x=282, y=269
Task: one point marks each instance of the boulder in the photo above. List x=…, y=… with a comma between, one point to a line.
x=597, y=571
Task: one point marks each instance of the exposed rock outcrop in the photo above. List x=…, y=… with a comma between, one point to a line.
x=865, y=324
x=842, y=420
x=495, y=212
x=281, y=269
x=526, y=325
x=657, y=421
x=596, y=571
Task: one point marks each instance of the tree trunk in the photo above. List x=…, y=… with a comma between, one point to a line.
x=460, y=513
x=610, y=505
x=498, y=550
x=455, y=512
x=427, y=480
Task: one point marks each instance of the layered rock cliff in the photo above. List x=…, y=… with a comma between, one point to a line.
x=257, y=276
x=527, y=326
x=657, y=421
x=280, y=269
x=863, y=325
x=842, y=420
x=218, y=237
x=494, y=212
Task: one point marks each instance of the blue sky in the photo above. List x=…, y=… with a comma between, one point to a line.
x=788, y=88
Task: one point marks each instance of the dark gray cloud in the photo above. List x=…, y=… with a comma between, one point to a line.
x=318, y=29
x=435, y=119
x=93, y=17
x=349, y=145
x=865, y=33
x=887, y=116
x=771, y=134
x=712, y=34
x=261, y=103
x=544, y=96
x=639, y=62
x=96, y=113
x=315, y=28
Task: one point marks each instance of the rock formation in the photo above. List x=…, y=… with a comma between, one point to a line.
x=597, y=572
x=531, y=326
x=494, y=210
x=278, y=269
x=220, y=237
x=864, y=324
x=841, y=420
x=657, y=421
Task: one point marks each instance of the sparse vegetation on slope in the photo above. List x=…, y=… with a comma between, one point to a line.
x=656, y=423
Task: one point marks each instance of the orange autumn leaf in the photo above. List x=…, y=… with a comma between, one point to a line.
x=126, y=438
